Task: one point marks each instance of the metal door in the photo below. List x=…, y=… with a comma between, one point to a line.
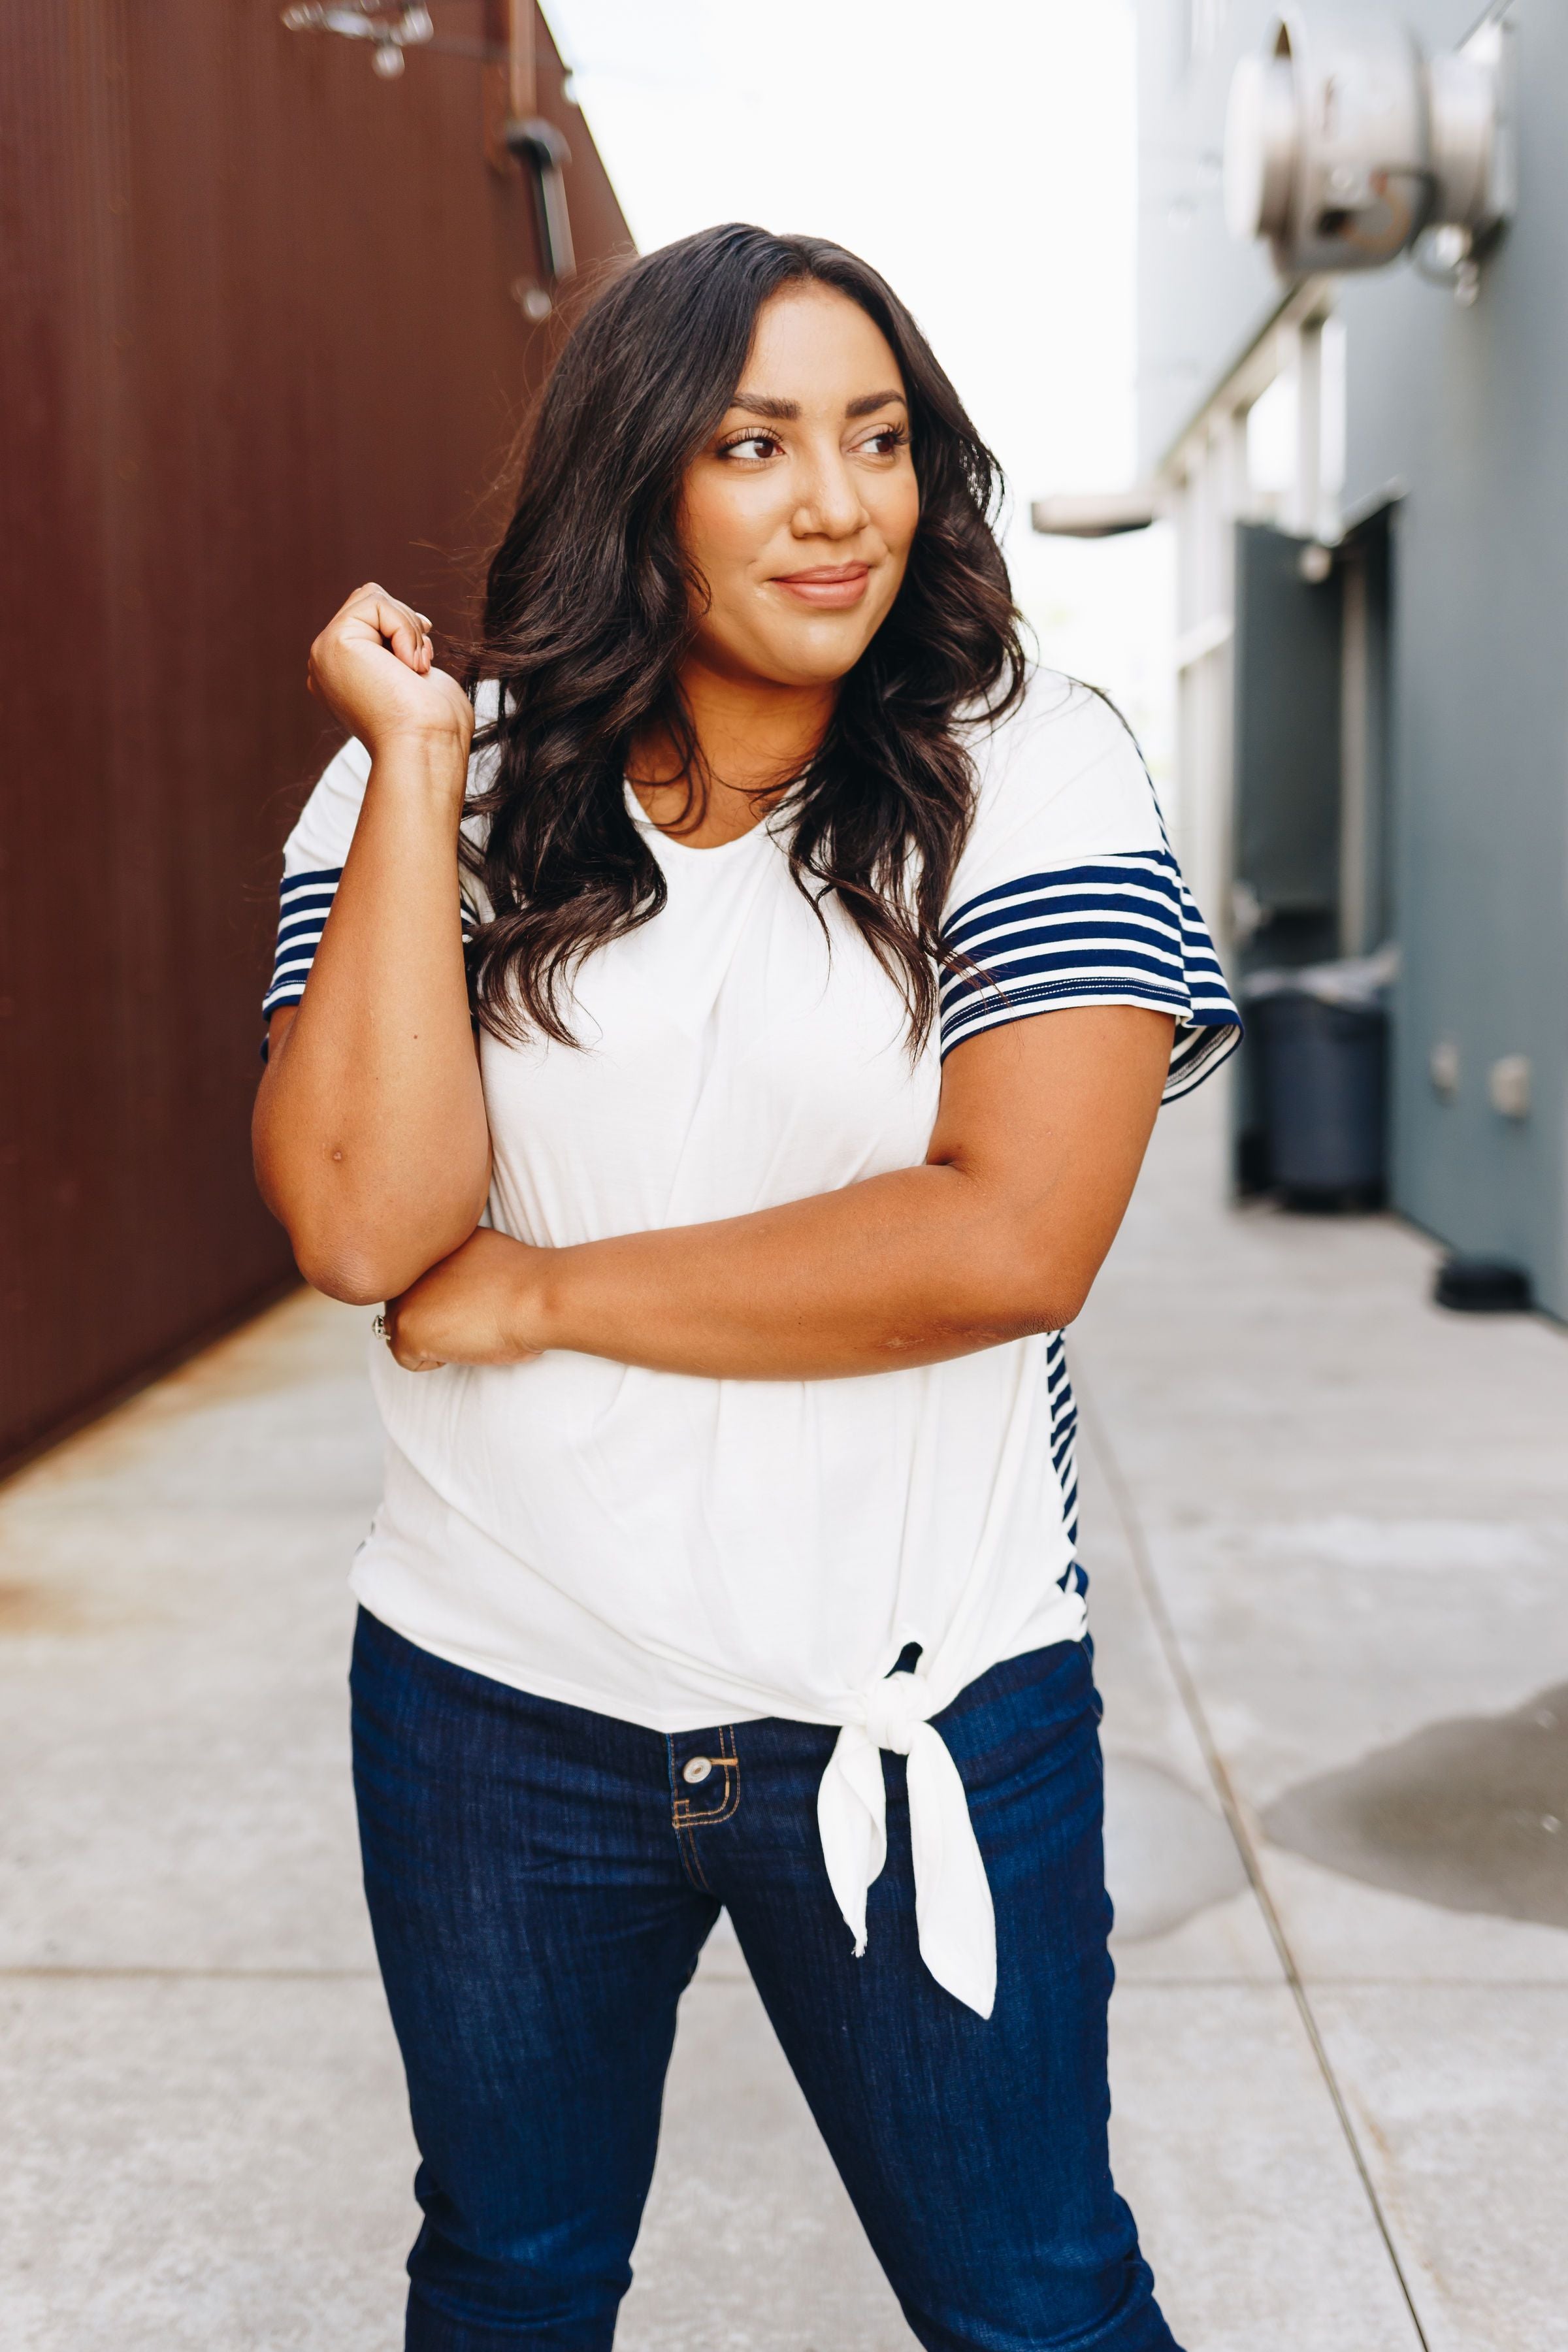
x=1289, y=632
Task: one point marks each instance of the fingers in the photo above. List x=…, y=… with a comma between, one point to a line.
x=412, y=1358
x=404, y=630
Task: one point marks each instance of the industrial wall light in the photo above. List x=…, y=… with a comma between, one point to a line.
x=393, y=30
x=523, y=134
x=1345, y=146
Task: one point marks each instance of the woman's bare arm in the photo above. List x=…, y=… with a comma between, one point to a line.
x=1042, y=1128
x=371, y=1140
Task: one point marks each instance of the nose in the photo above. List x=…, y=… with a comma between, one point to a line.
x=831, y=506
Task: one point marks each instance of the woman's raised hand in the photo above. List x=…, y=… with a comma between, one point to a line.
x=375, y=667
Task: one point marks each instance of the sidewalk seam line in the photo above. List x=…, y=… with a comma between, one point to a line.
x=1191, y=1702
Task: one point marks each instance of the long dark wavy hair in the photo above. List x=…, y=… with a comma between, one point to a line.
x=589, y=610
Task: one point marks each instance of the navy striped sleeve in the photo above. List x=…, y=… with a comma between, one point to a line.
x=1118, y=930
x=305, y=902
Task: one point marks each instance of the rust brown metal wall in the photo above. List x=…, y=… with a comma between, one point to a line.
x=258, y=342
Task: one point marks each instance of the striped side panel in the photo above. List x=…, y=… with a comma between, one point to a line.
x=1064, y=1449
x=1119, y=930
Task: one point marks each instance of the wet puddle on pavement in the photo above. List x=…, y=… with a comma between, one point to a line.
x=1470, y=1814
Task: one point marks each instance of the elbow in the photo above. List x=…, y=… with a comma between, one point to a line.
x=358, y=1252
x=360, y=1267
x=1057, y=1294
x=1067, y=1304
x=330, y=1259
x=352, y=1281
x=1052, y=1299
x=363, y=1269
x=1022, y=1293
x=1028, y=1309
x=347, y=1265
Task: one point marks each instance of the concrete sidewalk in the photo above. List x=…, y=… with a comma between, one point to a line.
x=1328, y=1530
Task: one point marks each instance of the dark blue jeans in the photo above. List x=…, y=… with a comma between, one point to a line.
x=540, y=1881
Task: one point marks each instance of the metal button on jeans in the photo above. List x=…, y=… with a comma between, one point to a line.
x=696, y=1769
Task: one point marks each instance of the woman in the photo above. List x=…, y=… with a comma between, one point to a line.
x=727, y=1551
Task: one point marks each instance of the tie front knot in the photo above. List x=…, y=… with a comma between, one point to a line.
x=953, y=1911
x=895, y=1709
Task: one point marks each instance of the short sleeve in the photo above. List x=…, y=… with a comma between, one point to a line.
x=1067, y=892
x=313, y=858
x=317, y=850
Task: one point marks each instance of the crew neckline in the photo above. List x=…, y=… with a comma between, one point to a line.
x=641, y=818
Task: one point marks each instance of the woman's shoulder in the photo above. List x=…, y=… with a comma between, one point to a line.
x=1058, y=778
x=321, y=839
x=1057, y=727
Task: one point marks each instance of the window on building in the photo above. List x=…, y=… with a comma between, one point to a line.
x=1331, y=427
x=1271, y=445
x=1296, y=434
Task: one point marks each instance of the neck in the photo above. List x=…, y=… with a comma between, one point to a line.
x=753, y=738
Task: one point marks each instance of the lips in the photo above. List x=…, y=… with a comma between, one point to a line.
x=829, y=587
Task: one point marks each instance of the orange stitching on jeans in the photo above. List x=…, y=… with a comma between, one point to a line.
x=691, y=1862
x=687, y=1816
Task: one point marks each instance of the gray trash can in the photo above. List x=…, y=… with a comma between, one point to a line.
x=1323, y=1039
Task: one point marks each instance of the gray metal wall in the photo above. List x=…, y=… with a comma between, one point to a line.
x=1201, y=297
x=1463, y=413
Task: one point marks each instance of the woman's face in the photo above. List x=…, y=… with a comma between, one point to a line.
x=799, y=512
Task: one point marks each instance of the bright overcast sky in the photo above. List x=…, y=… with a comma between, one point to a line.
x=983, y=157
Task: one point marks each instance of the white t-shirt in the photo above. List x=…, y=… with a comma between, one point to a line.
x=682, y=1553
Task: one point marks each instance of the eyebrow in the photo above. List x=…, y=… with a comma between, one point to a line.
x=784, y=412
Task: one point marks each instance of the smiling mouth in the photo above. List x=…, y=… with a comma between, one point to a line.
x=830, y=587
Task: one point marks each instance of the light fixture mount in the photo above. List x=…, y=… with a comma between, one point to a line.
x=1346, y=145
x=392, y=30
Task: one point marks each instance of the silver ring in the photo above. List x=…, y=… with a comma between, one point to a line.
x=378, y=1328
